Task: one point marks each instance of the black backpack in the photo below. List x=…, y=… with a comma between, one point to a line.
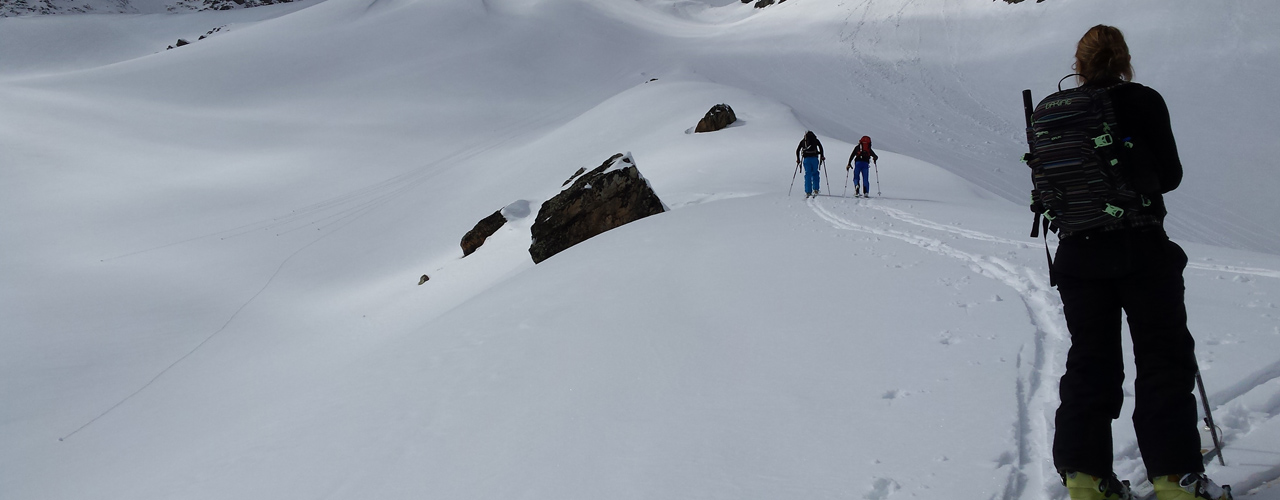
x=1078, y=160
x=809, y=148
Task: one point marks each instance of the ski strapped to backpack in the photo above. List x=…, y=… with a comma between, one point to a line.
x=1078, y=160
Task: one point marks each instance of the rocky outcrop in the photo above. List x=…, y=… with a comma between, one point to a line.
x=471, y=241
x=483, y=230
x=608, y=196
x=574, y=176
x=11, y=8
x=718, y=117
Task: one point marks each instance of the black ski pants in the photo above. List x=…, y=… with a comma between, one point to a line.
x=1140, y=274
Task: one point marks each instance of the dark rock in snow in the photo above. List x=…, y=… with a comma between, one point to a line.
x=608, y=196
x=423, y=279
x=574, y=176
x=718, y=117
x=483, y=230
x=10, y=8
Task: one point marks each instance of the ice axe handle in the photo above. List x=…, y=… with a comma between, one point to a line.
x=1028, y=108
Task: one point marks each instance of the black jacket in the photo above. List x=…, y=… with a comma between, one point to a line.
x=809, y=147
x=860, y=155
x=1156, y=168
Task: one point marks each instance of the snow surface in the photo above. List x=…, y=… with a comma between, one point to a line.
x=211, y=254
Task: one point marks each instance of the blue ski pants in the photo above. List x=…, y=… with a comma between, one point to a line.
x=862, y=170
x=811, y=177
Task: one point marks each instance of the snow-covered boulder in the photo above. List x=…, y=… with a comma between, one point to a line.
x=608, y=196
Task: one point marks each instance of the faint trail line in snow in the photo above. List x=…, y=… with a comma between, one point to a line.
x=928, y=224
x=1032, y=434
x=1249, y=383
x=1218, y=400
x=346, y=206
x=198, y=346
x=981, y=236
x=1256, y=271
x=356, y=201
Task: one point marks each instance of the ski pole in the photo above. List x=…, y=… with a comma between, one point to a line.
x=824, y=174
x=846, y=182
x=1208, y=420
x=877, y=178
x=793, y=179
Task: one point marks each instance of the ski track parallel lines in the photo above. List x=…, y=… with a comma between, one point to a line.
x=1045, y=303
x=1036, y=390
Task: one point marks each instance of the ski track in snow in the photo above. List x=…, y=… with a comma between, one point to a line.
x=1044, y=309
x=1256, y=271
x=1237, y=421
x=1036, y=390
x=980, y=236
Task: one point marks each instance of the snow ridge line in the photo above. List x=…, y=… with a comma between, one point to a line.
x=1036, y=390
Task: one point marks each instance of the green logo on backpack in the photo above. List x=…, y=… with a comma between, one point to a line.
x=1054, y=104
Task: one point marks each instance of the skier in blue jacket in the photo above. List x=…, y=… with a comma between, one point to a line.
x=810, y=152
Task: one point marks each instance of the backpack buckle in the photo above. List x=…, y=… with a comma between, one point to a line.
x=1114, y=211
x=1102, y=141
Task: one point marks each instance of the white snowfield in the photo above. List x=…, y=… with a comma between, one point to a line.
x=209, y=256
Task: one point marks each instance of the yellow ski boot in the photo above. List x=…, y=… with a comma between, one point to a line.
x=1081, y=486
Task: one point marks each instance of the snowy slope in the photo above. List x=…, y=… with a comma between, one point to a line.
x=211, y=253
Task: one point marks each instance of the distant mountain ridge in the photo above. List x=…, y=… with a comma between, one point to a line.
x=13, y=8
